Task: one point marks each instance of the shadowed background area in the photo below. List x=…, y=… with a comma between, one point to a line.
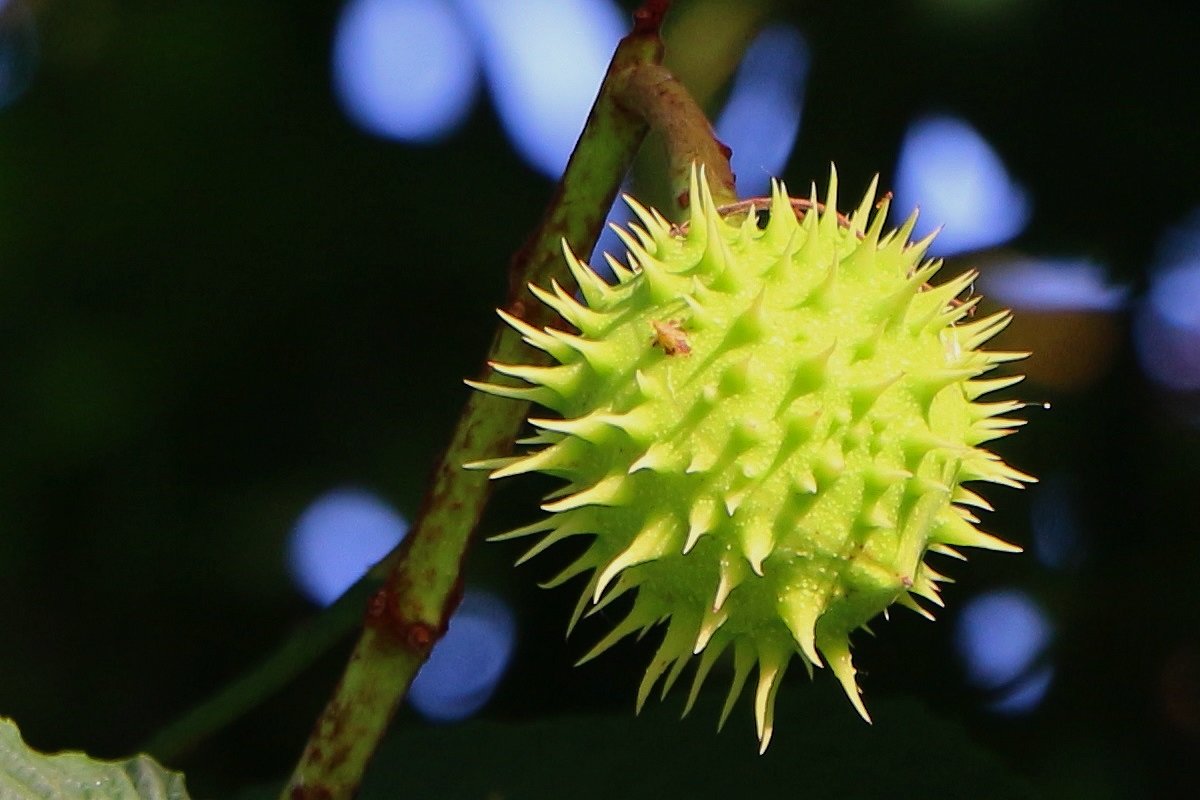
x=248, y=251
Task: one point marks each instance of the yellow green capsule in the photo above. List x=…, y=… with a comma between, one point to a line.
x=763, y=429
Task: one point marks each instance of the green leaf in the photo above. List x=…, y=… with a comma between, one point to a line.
x=26, y=774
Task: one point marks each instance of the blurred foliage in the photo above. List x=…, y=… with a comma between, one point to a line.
x=218, y=299
x=597, y=757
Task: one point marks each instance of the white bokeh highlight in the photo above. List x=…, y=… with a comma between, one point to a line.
x=761, y=118
x=948, y=170
x=1002, y=637
x=1167, y=323
x=404, y=69
x=338, y=538
x=468, y=662
x=1052, y=284
x=544, y=60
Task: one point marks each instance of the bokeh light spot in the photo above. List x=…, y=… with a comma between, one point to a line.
x=761, y=118
x=1000, y=637
x=543, y=67
x=466, y=665
x=1026, y=694
x=1069, y=317
x=338, y=538
x=1167, y=325
x=404, y=69
x=1058, y=540
x=1174, y=294
x=18, y=50
x=1048, y=284
x=948, y=170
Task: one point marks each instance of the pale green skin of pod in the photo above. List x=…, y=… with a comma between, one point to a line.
x=764, y=430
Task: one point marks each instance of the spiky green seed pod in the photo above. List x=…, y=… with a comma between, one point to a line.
x=764, y=430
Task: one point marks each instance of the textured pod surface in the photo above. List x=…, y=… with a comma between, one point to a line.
x=764, y=429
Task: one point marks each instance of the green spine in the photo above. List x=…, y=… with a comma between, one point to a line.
x=764, y=430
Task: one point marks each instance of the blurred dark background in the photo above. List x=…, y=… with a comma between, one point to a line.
x=248, y=251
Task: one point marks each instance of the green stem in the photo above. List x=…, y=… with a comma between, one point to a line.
x=658, y=97
x=411, y=611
